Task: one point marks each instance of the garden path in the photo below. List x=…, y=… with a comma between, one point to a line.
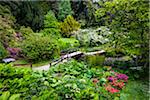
x=64, y=58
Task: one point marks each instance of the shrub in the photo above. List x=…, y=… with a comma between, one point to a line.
x=25, y=31
x=93, y=37
x=36, y=48
x=51, y=25
x=68, y=43
x=50, y=20
x=6, y=31
x=68, y=26
x=55, y=33
x=3, y=51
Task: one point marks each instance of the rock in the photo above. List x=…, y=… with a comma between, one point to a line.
x=121, y=62
x=7, y=60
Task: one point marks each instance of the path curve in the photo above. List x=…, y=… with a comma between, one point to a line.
x=65, y=59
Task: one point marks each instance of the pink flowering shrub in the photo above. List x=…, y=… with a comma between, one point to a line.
x=111, y=89
x=14, y=52
x=116, y=82
x=122, y=77
x=111, y=78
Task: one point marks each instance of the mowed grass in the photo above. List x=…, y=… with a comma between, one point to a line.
x=22, y=61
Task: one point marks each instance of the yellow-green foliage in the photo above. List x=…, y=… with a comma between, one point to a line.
x=68, y=26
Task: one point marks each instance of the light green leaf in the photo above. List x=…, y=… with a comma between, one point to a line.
x=15, y=97
x=5, y=95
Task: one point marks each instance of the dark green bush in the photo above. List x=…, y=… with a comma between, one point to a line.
x=51, y=25
x=38, y=48
x=64, y=9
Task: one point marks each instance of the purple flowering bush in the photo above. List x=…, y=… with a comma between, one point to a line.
x=122, y=77
x=14, y=52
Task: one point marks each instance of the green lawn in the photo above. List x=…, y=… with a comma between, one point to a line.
x=21, y=61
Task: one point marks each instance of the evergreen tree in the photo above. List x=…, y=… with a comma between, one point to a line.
x=64, y=9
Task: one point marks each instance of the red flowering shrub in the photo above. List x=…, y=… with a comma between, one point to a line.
x=111, y=89
x=116, y=81
x=118, y=84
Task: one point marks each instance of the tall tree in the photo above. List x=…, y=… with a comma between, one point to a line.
x=127, y=16
x=29, y=13
x=64, y=9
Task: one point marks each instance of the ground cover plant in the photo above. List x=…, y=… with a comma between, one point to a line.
x=79, y=82
x=71, y=80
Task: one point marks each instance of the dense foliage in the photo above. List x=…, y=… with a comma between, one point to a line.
x=93, y=37
x=27, y=13
x=51, y=25
x=64, y=9
x=25, y=32
x=36, y=48
x=68, y=26
x=68, y=43
x=3, y=52
x=6, y=28
x=45, y=31
x=129, y=21
x=79, y=82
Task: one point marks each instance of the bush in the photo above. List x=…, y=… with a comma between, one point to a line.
x=68, y=26
x=6, y=30
x=93, y=37
x=36, y=48
x=68, y=43
x=51, y=25
x=50, y=20
x=3, y=51
x=25, y=31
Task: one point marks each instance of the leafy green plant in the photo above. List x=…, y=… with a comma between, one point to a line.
x=6, y=96
x=51, y=25
x=93, y=37
x=36, y=48
x=68, y=43
x=64, y=9
x=25, y=31
x=71, y=80
x=68, y=26
x=129, y=22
